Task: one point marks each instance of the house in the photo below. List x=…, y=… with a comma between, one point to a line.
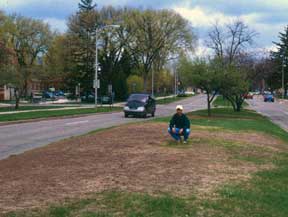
x=6, y=92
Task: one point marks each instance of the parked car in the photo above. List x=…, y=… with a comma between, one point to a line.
x=140, y=105
x=48, y=95
x=248, y=96
x=268, y=98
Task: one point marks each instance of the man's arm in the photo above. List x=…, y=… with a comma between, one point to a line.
x=187, y=123
x=172, y=122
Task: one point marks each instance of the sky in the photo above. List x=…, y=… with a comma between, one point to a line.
x=267, y=17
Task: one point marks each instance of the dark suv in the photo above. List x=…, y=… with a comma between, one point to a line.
x=140, y=104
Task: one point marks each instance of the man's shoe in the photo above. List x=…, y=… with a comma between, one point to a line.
x=185, y=142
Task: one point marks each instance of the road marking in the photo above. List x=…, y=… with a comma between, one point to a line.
x=76, y=123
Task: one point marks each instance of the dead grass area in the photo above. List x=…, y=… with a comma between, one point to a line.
x=131, y=158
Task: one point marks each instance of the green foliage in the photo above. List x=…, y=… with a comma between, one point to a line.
x=135, y=84
x=86, y=5
x=202, y=75
x=156, y=35
x=280, y=58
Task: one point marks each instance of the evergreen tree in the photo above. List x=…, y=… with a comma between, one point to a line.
x=280, y=59
x=82, y=27
x=86, y=5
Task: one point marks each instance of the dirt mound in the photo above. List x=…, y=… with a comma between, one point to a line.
x=132, y=157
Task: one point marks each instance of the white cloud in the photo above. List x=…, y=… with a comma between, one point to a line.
x=16, y=3
x=57, y=24
x=200, y=17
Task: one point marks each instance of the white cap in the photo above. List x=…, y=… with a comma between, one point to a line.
x=179, y=107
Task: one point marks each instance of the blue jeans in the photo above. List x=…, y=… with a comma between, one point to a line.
x=177, y=136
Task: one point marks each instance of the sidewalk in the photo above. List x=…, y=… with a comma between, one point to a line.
x=283, y=102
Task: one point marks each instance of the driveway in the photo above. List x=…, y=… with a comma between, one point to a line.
x=277, y=112
x=17, y=138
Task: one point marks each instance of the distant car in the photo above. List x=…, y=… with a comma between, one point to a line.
x=268, y=98
x=248, y=96
x=140, y=105
x=48, y=95
x=266, y=92
x=190, y=93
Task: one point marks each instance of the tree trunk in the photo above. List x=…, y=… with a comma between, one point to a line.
x=17, y=98
x=208, y=104
x=239, y=102
x=26, y=88
x=145, y=83
x=238, y=108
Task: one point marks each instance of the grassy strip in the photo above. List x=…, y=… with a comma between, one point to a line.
x=264, y=195
x=227, y=119
x=110, y=204
x=171, y=99
x=220, y=101
x=60, y=113
x=27, y=108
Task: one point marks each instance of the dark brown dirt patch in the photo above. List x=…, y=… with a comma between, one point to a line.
x=131, y=158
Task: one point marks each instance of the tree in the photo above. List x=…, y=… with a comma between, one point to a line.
x=57, y=62
x=280, y=59
x=81, y=35
x=86, y=5
x=233, y=86
x=115, y=61
x=229, y=44
x=30, y=39
x=156, y=35
x=135, y=84
x=203, y=75
x=25, y=40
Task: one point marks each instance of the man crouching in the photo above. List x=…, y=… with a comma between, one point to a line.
x=179, y=125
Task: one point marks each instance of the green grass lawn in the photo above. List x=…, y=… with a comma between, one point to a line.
x=172, y=99
x=264, y=195
x=59, y=113
x=222, y=102
x=26, y=108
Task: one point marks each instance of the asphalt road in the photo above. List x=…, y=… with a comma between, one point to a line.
x=18, y=138
x=277, y=111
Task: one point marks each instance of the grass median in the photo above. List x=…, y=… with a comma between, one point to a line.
x=172, y=99
x=242, y=140
x=27, y=108
x=220, y=101
x=55, y=113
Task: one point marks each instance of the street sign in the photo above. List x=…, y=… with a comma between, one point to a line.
x=98, y=84
x=110, y=89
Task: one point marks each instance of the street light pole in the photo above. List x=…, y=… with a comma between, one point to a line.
x=96, y=69
x=283, y=78
x=175, y=84
x=152, y=83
